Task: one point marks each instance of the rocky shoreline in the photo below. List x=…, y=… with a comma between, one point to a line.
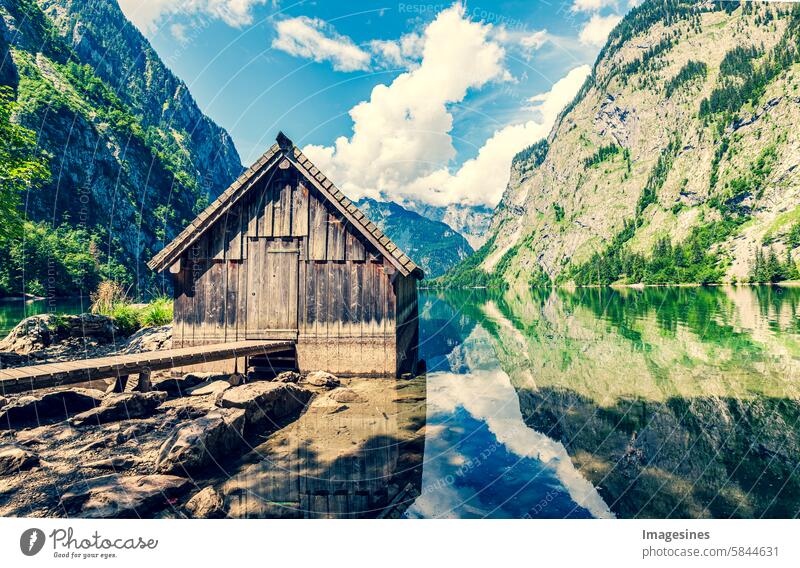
x=175, y=451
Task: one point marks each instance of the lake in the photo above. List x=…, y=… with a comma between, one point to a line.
x=595, y=403
x=14, y=311
x=654, y=403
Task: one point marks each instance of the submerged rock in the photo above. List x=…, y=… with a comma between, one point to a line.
x=51, y=406
x=121, y=406
x=113, y=495
x=197, y=444
x=344, y=394
x=206, y=504
x=321, y=379
x=265, y=402
x=14, y=459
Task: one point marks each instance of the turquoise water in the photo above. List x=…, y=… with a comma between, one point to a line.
x=14, y=311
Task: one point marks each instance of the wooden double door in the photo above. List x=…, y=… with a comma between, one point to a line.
x=273, y=266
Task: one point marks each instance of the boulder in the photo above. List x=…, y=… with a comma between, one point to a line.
x=288, y=377
x=114, y=496
x=37, y=332
x=265, y=402
x=197, y=444
x=206, y=504
x=48, y=407
x=182, y=385
x=121, y=406
x=321, y=379
x=14, y=459
x=344, y=394
x=31, y=334
x=149, y=339
x=214, y=388
x=3, y=402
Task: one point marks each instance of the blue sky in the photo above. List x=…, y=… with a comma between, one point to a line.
x=410, y=101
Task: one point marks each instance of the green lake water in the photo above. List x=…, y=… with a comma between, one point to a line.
x=14, y=311
x=655, y=403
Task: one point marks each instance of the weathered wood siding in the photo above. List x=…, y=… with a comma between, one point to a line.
x=283, y=264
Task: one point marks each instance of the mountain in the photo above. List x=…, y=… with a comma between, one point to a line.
x=676, y=162
x=434, y=245
x=131, y=157
x=472, y=222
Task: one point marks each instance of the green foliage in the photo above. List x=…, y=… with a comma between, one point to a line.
x=111, y=300
x=692, y=261
x=559, y=212
x=156, y=313
x=469, y=274
x=793, y=236
x=603, y=153
x=688, y=73
x=22, y=167
x=658, y=175
x=729, y=201
x=533, y=155
x=54, y=262
x=745, y=72
x=769, y=268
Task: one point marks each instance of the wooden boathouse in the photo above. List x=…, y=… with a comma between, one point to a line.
x=282, y=254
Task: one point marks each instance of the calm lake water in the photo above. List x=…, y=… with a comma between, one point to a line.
x=14, y=311
x=664, y=402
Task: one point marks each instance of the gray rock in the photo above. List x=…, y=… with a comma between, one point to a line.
x=116, y=496
x=206, y=504
x=265, y=402
x=117, y=462
x=48, y=407
x=121, y=406
x=181, y=385
x=197, y=444
x=149, y=339
x=288, y=377
x=321, y=379
x=214, y=388
x=14, y=460
x=37, y=332
x=343, y=394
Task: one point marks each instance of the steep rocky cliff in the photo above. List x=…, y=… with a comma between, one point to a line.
x=434, y=245
x=131, y=156
x=676, y=162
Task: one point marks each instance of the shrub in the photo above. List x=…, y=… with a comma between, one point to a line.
x=156, y=313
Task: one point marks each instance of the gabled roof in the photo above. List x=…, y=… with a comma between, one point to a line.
x=284, y=149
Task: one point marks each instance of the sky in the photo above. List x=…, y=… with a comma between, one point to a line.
x=406, y=101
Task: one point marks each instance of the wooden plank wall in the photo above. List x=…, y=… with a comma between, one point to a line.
x=347, y=298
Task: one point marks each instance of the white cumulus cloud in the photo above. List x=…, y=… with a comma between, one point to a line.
x=596, y=31
x=146, y=13
x=591, y=5
x=313, y=38
x=402, y=133
x=482, y=180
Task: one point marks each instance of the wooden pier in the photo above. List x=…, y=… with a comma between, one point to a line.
x=24, y=379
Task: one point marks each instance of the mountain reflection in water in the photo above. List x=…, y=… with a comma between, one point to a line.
x=656, y=403
x=663, y=402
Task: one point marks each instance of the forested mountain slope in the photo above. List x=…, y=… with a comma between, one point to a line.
x=676, y=162
x=129, y=155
